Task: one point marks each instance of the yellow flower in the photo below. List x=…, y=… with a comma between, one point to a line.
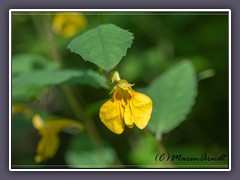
x=127, y=107
x=68, y=23
x=49, y=142
x=22, y=108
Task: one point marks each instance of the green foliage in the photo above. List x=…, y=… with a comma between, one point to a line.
x=197, y=151
x=151, y=60
x=32, y=73
x=144, y=153
x=173, y=94
x=21, y=128
x=28, y=62
x=208, y=73
x=61, y=76
x=104, y=46
x=147, y=152
x=25, y=93
x=82, y=154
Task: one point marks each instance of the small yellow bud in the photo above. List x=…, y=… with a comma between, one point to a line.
x=37, y=121
x=116, y=77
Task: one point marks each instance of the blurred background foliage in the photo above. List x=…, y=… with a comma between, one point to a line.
x=41, y=64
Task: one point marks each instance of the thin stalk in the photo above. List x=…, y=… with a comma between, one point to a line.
x=160, y=145
x=102, y=19
x=69, y=93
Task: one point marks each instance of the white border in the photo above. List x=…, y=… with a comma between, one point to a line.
x=229, y=86
x=119, y=10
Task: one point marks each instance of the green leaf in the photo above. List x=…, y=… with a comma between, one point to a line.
x=208, y=73
x=104, y=46
x=23, y=93
x=173, y=94
x=144, y=156
x=28, y=62
x=82, y=154
x=55, y=77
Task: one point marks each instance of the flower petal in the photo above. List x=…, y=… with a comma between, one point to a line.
x=68, y=24
x=128, y=118
x=52, y=145
x=123, y=84
x=141, y=106
x=110, y=115
x=47, y=147
x=57, y=125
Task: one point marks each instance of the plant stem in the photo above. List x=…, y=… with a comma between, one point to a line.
x=160, y=145
x=79, y=113
x=69, y=93
x=103, y=19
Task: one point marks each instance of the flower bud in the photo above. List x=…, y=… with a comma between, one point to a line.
x=116, y=77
